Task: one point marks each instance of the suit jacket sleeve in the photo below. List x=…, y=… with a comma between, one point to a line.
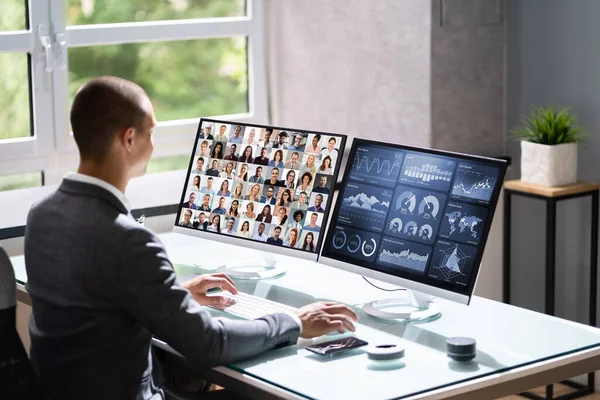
x=144, y=283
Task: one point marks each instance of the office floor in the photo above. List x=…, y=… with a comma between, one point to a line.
x=558, y=390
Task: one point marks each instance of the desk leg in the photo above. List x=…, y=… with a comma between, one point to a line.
x=506, y=244
x=594, y=260
x=550, y=254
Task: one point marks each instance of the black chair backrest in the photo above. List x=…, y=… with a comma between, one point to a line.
x=17, y=379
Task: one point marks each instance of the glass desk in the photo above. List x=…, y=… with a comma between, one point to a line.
x=517, y=349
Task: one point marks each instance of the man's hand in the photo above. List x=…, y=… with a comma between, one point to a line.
x=199, y=285
x=321, y=318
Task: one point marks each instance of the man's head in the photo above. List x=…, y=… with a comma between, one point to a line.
x=298, y=215
x=201, y=217
x=270, y=191
x=112, y=121
x=221, y=202
x=200, y=163
x=323, y=181
x=208, y=129
x=214, y=164
x=313, y=219
x=263, y=152
x=261, y=228
x=209, y=182
x=282, y=137
x=230, y=223
x=318, y=200
x=295, y=156
x=206, y=200
x=276, y=232
x=302, y=198
x=187, y=215
x=192, y=197
x=258, y=171
x=237, y=130
x=232, y=149
x=274, y=174
x=222, y=129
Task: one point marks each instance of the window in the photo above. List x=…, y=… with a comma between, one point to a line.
x=195, y=58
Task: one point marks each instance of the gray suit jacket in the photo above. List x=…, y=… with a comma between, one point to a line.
x=101, y=285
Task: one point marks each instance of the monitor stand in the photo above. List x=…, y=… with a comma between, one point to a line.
x=416, y=307
x=260, y=266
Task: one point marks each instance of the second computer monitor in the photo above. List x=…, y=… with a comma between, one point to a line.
x=414, y=217
x=260, y=186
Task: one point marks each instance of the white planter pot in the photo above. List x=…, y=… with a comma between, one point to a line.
x=546, y=165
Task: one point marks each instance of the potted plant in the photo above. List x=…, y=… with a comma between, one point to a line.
x=549, y=140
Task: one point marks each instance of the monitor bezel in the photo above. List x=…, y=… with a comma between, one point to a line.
x=304, y=254
x=427, y=285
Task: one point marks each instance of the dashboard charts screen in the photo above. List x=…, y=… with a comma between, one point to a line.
x=413, y=213
x=261, y=183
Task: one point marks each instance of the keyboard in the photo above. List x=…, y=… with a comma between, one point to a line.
x=247, y=306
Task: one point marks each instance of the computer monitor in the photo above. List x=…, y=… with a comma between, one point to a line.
x=413, y=217
x=259, y=186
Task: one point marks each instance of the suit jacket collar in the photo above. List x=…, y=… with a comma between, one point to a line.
x=91, y=190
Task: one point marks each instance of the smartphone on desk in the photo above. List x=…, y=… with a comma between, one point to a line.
x=336, y=346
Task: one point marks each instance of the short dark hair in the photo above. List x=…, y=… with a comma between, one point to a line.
x=101, y=108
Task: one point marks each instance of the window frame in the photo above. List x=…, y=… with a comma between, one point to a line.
x=31, y=153
x=52, y=149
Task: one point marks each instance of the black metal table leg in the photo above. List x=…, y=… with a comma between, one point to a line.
x=594, y=260
x=506, y=256
x=550, y=254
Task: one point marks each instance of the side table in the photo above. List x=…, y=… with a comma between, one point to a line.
x=552, y=195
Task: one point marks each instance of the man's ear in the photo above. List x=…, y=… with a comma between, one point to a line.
x=128, y=138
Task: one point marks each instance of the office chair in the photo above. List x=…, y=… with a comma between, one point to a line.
x=17, y=378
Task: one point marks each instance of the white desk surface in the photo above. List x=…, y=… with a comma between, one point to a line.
x=511, y=341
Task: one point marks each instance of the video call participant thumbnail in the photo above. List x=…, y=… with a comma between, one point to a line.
x=275, y=239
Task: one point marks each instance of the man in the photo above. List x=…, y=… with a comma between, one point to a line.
x=330, y=151
x=231, y=156
x=199, y=166
x=213, y=170
x=295, y=223
x=257, y=177
x=317, y=207
x=250, y=141
x=190, y=203
x=205, y=203
x=281, y=143
x=222, y=136
x=322, y=188
x=101, y=284
x=300, y=204
x=297, y=145
x=260, y=234
x=230, y=223
x=275, y=238
x=313, y=227
x=207, y=132
x=236, y=137
x=202, y=222
x=204, y=152
x=293, y=162
x=187, y=219
x=221, y=209
x=262, y=159
x=274, y=181
x=270, y=197
x=209, y=187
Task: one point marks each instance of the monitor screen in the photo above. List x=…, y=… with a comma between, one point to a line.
x=417, y=214
x=261, y=183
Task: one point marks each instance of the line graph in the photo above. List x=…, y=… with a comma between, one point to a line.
x=474, y=181
x=369, y=164
x=376, y=165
